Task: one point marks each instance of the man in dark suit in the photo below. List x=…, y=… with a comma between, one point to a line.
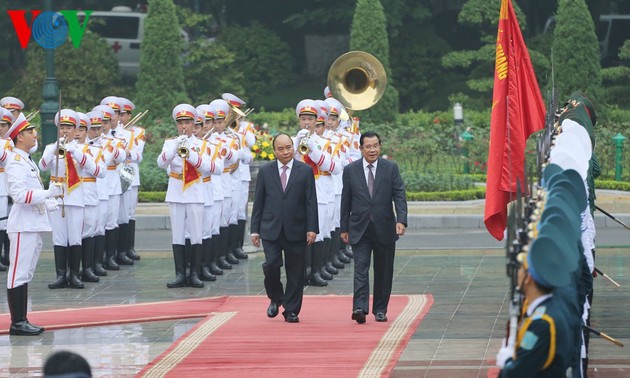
x=370, y=185
x=285, y=218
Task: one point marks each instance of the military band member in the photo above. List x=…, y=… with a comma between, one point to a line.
x=67, y=163
x=246, y=134
x=6, y=145
x=27, y=220
x=181, y=158
x=206, y=116
x=226, y=137
x=104, y=157
x=137, y=135
x=90, y=195
x=313, y=150
x=12, y=104
x=124, y=137
x=112, y=145
x=15, y=106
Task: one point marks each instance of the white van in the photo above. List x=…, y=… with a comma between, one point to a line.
x=124, y=31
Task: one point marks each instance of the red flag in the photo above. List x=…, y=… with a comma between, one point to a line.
x=72, y=176
x=518, y=110
x=190, y=174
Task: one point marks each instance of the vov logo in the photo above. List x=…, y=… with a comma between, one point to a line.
x=49, y=29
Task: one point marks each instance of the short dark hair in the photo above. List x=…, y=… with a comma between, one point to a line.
x=273, y=143
x=369, y=134
x=65, y=362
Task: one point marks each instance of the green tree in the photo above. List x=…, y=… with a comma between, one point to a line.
x=575, y=50
x=84, y=75
x=478, y=64
x=261, y=55
x=160, y=84
x=369, y=34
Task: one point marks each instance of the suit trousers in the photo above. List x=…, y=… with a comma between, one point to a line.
x=23, y=255
x=291, y=298
x=383, y=271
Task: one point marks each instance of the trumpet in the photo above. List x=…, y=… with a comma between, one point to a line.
x=209, y=133
x=182, y=150
x=303, y=146
x=136, y=119
x=61, y=148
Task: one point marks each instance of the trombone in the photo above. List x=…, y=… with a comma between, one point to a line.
x=136, y=119
x=32, y=115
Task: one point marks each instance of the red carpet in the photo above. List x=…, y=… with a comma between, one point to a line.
x=235, y=338
x=241, y=340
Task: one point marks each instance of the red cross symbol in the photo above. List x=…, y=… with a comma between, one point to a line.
x=116, y=46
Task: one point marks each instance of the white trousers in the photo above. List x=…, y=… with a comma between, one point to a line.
x=113, y=208
x=67, y=230
x=186, y=218
x=217, y=210
x=225, y=213
x=336, y=221
x=123, y=209
x=90, y=215
x=207, y=222
x=133, y=201
x=23, y=255
x=242, y=201
x=101, y=219
x=4, y=211
x=323, y=217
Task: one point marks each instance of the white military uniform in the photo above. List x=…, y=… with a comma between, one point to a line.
x=248, y=139
x=6, y=145
x=114, y=145
x=28, y=217
x=185, y=203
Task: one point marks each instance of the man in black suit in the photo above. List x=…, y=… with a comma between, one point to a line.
x=285, y=218
x=368, y=223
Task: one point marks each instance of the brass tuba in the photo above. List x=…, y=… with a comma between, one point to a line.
x=357, y=79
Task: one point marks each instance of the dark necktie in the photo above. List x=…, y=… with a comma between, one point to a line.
x=370, y=180
x=283, y=177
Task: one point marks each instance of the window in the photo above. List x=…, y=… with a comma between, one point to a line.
x=115, y=26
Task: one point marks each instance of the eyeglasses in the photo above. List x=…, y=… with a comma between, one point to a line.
x=370, y=148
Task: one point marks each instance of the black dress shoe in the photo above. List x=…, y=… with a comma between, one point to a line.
x=24, y=328
x=291, y=318
x=359, y=316
x=380, y=317
x=272, y=310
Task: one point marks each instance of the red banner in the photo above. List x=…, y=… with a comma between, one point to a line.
x=72, y=176
x=518, y=110
x=189, y=174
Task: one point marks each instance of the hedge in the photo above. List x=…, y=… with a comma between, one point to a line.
x=453, y=195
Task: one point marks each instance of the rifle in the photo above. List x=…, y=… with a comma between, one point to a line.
x=609, y=215
x=517, y=238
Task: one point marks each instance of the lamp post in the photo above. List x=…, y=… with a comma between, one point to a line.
x=619, y=139
x=458, y=115
x=466, y=137
x=50, y=93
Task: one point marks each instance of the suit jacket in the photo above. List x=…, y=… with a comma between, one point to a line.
x=295, y=209
x=358, y=208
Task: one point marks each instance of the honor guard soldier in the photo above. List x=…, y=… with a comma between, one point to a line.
x=348, y=152
x=114, y=148
x=6, y=145
x=67, y=164
x=246, y=133
x=210, y=218
x=313, y=150
x=90, y=195
x=227, y=139
x=12, y=104
x=137, y=136
x=124, y=137
x=27, y=220
x=102, y=157
x=214, y=126
x=181, y=158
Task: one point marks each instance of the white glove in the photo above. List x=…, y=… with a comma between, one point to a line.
x=181, y=139
x=302, y=133
x=51, y=204
x=54, y=191
x=244, y=154
x=504, y=353
x=193, y=157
